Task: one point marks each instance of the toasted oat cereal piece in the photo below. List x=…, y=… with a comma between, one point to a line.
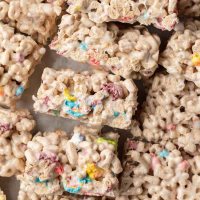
x=15, y=132
x=95, y=98
x=182, y=54
x=156, y=171
x=32, y=17
x=171, y=112
x=2, y=195
x=189, y=8
x=94, y=163
x=130, y=52
x=19, y=55
x=161, y=13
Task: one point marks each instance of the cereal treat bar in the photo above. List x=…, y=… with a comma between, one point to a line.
x=46, y=159
x=94, y=163
x=182, y=54
x=87, y=164
x=19, y=55
x=160, y=13
x=2, y=195
x=171, y=112
x=130, y=52
x=15, y=132
x=159, y=172
x=189, y=8
x=95, y=98
x=35, y=18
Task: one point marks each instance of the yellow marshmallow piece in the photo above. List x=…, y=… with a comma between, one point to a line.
x=196, y=59
x=93, y=171
x=68, y=96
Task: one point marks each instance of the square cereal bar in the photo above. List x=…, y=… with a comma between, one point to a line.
x=129, y=52
x=161, y=13
x=159, y=171
x=32, y=17
x=94, y=161
x=182, y=54
x=95, y=98
x=19, y=54
x=15, y=132
x=87, y=164
x=171, y=112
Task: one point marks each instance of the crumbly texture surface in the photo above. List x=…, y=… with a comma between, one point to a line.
x=45, y=160
x=182, y=54
x=94, y=163
x=129, y=52
x=171, y=112
x=15, y=132
x=19, y=55
x=189, y=8
x=162, y=14
x=33, y=17
x=96, y=98
x=159, y=171
x=85, y=164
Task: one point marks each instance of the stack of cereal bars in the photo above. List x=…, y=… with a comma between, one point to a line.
x=158, y=156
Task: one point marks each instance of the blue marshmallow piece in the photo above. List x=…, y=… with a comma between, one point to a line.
x=164, y=153
x=19, y=91
x=84, y=46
